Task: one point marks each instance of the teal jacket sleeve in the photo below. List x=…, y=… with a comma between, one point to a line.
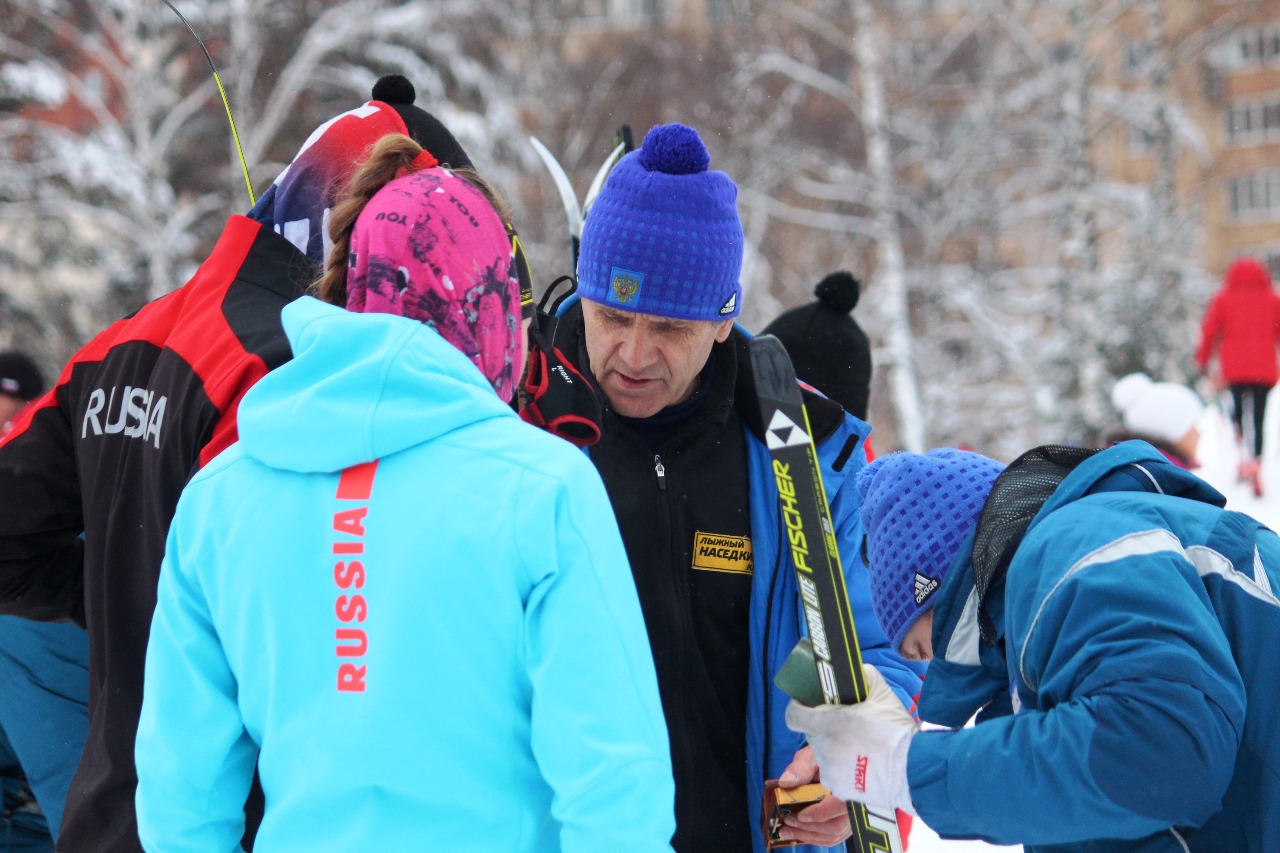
x=1128, y=691
x=598, y=731
x=191, y=789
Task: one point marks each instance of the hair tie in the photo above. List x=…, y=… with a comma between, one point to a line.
x=424, y=160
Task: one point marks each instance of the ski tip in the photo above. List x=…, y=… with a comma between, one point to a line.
x=567, y=197
x=597, y=183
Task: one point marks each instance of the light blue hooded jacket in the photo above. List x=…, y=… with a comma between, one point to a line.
x=444, y=651
x=1140, y=626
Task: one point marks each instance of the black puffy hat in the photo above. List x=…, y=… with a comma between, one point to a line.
x=828, y=348
x=19, y=376
x=397, y=92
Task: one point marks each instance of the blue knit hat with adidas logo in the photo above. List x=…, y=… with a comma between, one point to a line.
x=663, y=236
x=916, y=512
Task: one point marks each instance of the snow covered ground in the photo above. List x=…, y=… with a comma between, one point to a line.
x=1218, y=459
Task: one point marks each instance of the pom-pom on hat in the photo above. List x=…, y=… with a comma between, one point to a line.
x=397, y=92
x=663, y=236
x=917, y=511
x=1164, y=411
x=430, y=247
x=829, y=349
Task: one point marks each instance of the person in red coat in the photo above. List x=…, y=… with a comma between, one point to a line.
x=1242, y=326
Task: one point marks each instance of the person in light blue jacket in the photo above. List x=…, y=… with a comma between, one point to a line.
x=1116, y=625
x=410, y=610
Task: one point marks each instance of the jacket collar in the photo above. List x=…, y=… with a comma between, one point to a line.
x=968, y=670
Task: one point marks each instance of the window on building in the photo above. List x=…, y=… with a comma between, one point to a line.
x=1255, y=197
x=1254, y=123
x=1257, y=45
x=1237, y=121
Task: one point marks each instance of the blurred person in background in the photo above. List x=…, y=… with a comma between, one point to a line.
x=44, y=684
x=828, y=348
x=1163, y=414
x=1241, y=328
x=20, y=383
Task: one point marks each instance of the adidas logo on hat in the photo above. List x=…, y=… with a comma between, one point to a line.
x=924, y=588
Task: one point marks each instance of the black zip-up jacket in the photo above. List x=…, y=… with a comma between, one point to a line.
x=683, y=507
x=107, y=451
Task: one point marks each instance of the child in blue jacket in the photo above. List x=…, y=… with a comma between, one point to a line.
x=1116, y=625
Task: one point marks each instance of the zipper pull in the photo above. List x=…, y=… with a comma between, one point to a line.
x=661, y=470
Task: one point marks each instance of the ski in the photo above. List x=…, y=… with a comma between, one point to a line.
x=576, y=213
x=802, y=501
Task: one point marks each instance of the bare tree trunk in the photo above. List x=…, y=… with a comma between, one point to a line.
x=1166, y=264
x=891, y=266
x=1080, y=261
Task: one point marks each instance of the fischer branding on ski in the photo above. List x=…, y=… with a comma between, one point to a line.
x=812, y=543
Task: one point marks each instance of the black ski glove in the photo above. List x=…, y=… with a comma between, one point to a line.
x=556, y=396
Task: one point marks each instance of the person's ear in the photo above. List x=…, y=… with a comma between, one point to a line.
x=722, y=334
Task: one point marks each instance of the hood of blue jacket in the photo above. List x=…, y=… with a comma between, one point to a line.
x=359, y=387
x=966, y=674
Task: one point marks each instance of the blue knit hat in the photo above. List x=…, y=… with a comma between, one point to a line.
x=917, y=511
x=663, y=237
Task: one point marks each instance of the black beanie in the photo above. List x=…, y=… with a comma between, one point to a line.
x=828, y=348
x=19, y=376
x=397, y=92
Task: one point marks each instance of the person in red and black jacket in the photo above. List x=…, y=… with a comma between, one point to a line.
x=142, y=407
x=1242, y=327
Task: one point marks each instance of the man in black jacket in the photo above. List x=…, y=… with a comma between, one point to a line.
x=135, y=413
x=683, y=457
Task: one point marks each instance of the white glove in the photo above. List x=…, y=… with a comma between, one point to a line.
x=861, y=749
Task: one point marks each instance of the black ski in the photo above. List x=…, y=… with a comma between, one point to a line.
x=803, y=503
